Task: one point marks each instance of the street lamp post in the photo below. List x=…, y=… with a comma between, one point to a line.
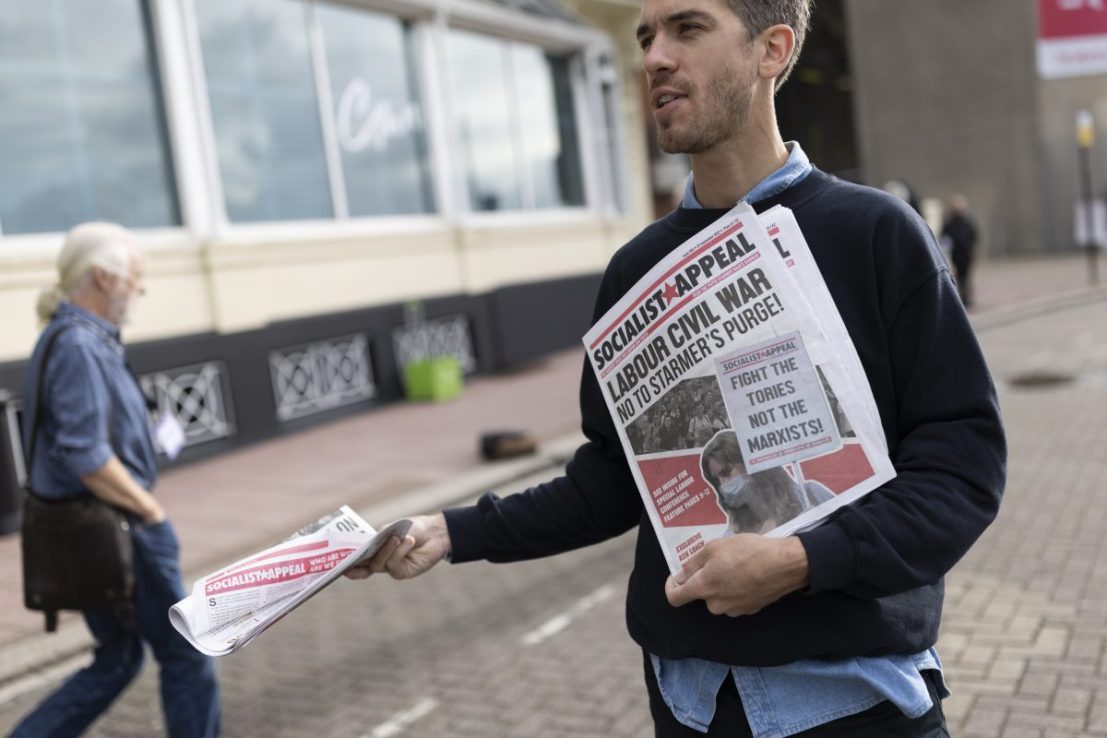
x=1085, y=138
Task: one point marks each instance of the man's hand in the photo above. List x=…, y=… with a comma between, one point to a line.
x=156, y=513
x=425, y=544
x=741, y=574
x=113, y=484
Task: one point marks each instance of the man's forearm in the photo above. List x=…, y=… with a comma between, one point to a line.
x=113, y=484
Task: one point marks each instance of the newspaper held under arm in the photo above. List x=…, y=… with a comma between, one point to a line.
x=736, y=392
x=231, y=607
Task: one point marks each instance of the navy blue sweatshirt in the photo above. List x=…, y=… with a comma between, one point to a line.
x=876, y=566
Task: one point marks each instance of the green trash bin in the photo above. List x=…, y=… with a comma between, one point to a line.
x=433, y=379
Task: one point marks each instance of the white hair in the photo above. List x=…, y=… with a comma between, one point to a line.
x=108, y=246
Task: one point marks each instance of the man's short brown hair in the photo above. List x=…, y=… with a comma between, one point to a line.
x=757, y=15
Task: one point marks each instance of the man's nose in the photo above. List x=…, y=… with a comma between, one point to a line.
x=660, y=56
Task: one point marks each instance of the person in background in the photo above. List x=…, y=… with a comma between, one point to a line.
x=960, y=232
x=903, y=191
x=94, y=439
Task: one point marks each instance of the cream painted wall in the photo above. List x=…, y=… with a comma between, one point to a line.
x=238, y=284
x=256, y=283
x=176, y=303
x=21, y=278
x=495, y=257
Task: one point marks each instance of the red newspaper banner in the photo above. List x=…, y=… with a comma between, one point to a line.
x=286, y=571
x=679, y=492
x=840, y=470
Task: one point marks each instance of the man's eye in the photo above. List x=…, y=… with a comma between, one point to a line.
x=645, y=43
x=686, y=28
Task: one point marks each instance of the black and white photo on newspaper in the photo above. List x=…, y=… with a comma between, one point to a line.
x=738, y=408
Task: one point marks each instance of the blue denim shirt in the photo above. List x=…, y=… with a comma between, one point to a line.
x=92, y=407
x=793, y=172
x=785, y=700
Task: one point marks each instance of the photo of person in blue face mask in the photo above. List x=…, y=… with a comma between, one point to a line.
x=759, y=502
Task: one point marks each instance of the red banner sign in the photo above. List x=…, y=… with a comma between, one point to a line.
x=1072, y=38
x=1071, y=18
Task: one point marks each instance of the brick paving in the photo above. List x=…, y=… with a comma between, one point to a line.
x=475, y=650
x=1026, y=610
x=234, y=503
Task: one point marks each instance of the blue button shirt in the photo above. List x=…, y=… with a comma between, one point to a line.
x=794, y=171
x=92, y=407
x=785, y=700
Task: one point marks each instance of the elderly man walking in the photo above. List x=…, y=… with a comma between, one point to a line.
x=93, y=438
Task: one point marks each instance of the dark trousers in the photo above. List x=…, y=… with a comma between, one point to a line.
x=962, y=266
x=884, y=719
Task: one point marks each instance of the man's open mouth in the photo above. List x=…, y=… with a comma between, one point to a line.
x=664, y=100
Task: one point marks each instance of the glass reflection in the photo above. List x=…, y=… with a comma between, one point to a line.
x=548, y=126
x=514, y=110
x=378, y=116
x=482, y=109
x=264, y=111
x=82, y=136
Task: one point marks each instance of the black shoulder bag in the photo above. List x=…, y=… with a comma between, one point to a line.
x=77, y=552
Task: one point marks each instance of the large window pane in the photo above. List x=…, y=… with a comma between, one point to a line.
x=547, y=124
x=264, y=110
x=378, y=118
x=514, y=112
x=483, y=111
x=82, y=136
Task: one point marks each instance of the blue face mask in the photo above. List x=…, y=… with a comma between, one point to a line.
x=732, y=491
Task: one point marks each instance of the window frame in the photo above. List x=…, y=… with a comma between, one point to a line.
x=25, y=245
x=193, y=154
x=574, y=47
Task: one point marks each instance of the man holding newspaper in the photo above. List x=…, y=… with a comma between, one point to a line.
x=826, y=319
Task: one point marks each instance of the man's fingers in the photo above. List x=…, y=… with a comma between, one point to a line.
x=681, y=594
x=396, y=564
x=687, y=584
x=379, y=562
x=692, y=565
x=389, y=558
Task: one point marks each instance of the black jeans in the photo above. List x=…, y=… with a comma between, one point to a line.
x=884, y=719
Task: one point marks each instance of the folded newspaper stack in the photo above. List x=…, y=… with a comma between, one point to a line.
x=231, y=607
x=737, y=393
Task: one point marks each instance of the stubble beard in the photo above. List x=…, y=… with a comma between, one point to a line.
x=119, y=307
x=726, y=108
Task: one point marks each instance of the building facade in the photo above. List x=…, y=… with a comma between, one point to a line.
x=949, y=97
x=969, y=105
x=327, y=189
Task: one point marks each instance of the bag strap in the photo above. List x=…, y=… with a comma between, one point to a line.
x=30, y=454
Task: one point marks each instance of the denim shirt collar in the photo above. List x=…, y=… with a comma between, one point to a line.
x=69, y=311
x=792, y=172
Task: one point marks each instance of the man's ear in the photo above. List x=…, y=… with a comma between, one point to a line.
x=103, y=279
x=778, y=43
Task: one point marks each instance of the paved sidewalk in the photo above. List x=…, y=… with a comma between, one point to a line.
x=405, y=458
x=238, y=502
